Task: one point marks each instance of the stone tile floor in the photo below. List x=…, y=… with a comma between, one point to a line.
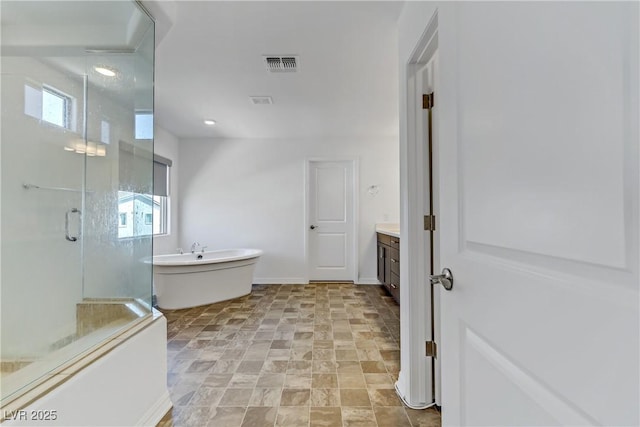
x=323, y=354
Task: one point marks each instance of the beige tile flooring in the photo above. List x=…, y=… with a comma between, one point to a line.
x=323, y=354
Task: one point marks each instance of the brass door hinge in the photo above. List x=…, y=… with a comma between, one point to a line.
x=427, y=101
x=431, y=349
x=430, y=223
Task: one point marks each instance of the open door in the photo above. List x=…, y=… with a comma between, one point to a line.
x=538, y=202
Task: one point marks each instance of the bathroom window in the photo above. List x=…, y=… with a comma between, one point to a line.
x=145, y=212
x=56, y=107
x=145, y=203
x=48, y=104
x=144, y=125
x=105, y=132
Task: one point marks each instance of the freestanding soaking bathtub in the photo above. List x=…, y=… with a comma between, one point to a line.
x=193, y=279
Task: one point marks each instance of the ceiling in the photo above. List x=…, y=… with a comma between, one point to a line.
x=209, y=60
x=75, y=36
x=69, y=27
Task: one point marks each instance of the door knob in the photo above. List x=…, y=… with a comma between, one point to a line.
x=313, y=227
x=445, y=279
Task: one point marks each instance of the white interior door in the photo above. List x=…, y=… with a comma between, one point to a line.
x=538, y=196
x=331, y=220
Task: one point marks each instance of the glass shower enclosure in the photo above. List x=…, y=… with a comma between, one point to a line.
x=76, y=170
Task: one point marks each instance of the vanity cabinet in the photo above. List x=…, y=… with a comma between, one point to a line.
x=389, y=264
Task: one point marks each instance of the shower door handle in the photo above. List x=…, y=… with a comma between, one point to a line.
x=66, y=224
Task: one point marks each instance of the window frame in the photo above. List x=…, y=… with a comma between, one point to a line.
x=164, y=216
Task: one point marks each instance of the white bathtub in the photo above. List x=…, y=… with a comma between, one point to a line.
x=190, y=280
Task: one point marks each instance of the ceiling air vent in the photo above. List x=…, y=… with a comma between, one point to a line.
x=261, y=100
x=281, y=64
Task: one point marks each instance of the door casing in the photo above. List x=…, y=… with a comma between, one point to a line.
x=415, y=381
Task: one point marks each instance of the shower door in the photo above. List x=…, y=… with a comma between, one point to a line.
x=42, y=205
x=75, y=75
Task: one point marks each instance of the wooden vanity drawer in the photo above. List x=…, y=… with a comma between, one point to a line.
x=394, y=259
x=394, y=242
x=384, y=239
x=394, y=286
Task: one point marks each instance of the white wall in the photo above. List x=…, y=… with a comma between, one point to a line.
x=166, y=145
x=250, y=193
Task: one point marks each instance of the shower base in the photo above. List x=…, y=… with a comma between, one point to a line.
x=97, y=321
x=126, y=371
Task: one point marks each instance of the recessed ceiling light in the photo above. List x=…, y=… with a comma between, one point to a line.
x=105, y=71
x=209, y=122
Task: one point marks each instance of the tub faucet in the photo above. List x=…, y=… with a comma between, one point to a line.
x=180, y=251
x=194, y=246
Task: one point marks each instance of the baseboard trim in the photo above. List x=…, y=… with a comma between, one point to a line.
x=368, y=281
x=303, y=281
x=154, y=414
x=280, y=281
x=402, y=397
x=400, y=386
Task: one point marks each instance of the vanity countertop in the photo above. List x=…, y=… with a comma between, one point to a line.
x=390, y=229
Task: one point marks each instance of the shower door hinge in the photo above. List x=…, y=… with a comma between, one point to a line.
x=431, y=349
x=430, y=223
x=427, y=101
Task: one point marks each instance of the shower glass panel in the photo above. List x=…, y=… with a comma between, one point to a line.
x=74, y=76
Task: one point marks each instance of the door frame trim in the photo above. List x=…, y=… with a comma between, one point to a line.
x=355, y=163
x=414, y=385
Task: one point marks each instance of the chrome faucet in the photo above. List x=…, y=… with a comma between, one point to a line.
x=197, y=245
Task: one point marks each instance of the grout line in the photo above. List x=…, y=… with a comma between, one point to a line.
x=353, y=308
